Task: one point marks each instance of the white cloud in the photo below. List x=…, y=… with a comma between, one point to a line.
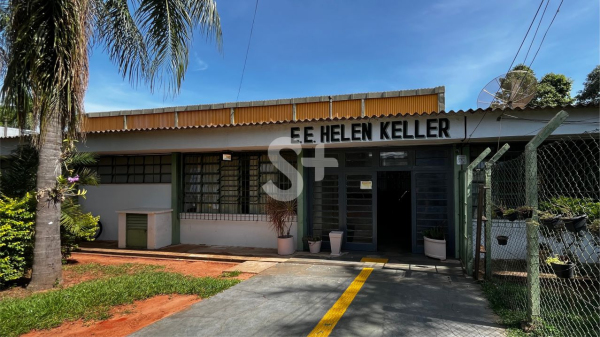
x=200, y=65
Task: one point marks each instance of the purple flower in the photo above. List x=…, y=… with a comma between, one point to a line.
x=73, y=179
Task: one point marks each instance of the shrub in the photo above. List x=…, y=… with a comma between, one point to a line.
x=75, y=225
x=17, y=220
x=568, y=206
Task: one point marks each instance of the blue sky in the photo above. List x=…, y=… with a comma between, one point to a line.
x=329, y=47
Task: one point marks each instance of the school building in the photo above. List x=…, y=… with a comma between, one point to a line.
x=399, y=156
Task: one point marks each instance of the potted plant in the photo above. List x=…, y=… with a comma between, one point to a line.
x=498, y=212
x=562, y=269
x=511, y=214
x=551, y=221
x=314, y=243
x=575, y=224
x=502, y=240
x=525, y=212
x=435, y=243
x=281, y=214
x=545, y=251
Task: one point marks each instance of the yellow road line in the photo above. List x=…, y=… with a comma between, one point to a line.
x=374, y=259
x=336, y=312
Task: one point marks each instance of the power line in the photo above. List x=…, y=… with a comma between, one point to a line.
x=247, y=51
x=526, y=34
x=547, y=29
x=511, y=64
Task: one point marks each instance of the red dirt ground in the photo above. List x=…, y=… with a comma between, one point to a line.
x=125, y=319
x=129, y=318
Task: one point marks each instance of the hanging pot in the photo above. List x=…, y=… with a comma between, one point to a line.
x=502, y=240
x=499, y=213
x=526, y=214
x=575, y=224
x=512, y=216
x=565, y=270
x=552, y=223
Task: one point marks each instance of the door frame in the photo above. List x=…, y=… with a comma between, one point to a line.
x=342, y=170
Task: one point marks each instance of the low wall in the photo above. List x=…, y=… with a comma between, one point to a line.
x=256, y=234
x=516, y=248
x=106, y=200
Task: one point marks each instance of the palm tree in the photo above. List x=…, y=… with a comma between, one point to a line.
x=44, y=46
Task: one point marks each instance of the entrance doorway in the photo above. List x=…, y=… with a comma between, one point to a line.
x=394, y=212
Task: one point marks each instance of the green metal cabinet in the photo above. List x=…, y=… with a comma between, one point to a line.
x=136, y=230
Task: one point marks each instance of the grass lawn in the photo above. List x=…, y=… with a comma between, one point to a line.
x=118, y=284
x=565, y=311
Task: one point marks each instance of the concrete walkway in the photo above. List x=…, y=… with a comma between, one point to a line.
x=289, y=299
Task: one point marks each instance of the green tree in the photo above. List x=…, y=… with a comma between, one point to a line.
x=516, y=88
x=44, y=47
x=591, y=88
x=553, y=90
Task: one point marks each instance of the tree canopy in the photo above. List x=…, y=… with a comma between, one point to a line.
x=591, y=88
x=552, y=89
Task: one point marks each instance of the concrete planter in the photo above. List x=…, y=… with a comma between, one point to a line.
x=435, y=248
x=335, y=239
x=285, y=245
x=314, y=246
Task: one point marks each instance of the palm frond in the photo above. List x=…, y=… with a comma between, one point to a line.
x=123, y=40
x=168, y=29
x=83, y=158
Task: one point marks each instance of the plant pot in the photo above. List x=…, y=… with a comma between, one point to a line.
x=526, y=214
x=499, y=213
x=335, y=240
x=314, y=246
x=512, y=216
x=563, y=270
x=285, y=245
x=575, y=224
x=551, y=223
x=435, y=248
x=502, y=240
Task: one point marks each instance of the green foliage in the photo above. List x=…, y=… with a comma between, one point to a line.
x=233, y=273
x=17, y=220
x=111, y=270
x=553, y=90
x=554, y=259
x=570, y=207
x=509, y=301
x=19, y=177
x=591, y=88
x=435, y=233
x=94, y=299
x=75, y=226
x=312, y=238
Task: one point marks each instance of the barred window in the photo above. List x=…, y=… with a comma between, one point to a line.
x=216, y=186
x=134, y=169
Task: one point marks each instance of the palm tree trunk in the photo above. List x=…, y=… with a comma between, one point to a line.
x=47, y=262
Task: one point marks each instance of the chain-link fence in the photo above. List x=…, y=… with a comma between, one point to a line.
x=555, y=282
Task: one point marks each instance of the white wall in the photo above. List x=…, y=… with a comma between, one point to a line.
x=516, y=248
x=106, y=200
x=230, y=233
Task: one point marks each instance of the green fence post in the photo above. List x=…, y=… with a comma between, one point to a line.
x=531, y=200
x=301, y=228
x=176, y=197
x=468, y=210
x=488, y=209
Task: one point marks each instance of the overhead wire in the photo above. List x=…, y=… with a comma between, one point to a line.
x=247, y=51
x=511, y=64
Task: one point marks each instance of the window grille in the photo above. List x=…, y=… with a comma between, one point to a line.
x=133, y=169
x=216, y=189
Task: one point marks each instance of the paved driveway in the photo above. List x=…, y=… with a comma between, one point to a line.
x=289, y=299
